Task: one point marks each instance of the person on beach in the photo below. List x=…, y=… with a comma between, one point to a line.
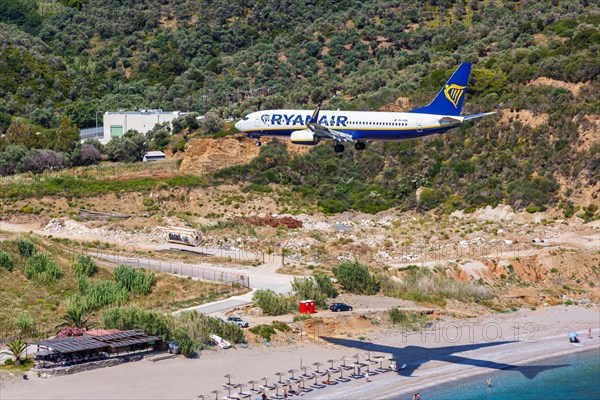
x=299, y=390
x=367, y=376
x=589, y=333
x=489, y=383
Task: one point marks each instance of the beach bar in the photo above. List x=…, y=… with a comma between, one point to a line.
x=72, y=350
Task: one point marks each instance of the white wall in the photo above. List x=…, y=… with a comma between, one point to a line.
x=139, y=121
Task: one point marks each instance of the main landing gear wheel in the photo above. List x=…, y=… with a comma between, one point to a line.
x=360, y=145
x=258, y=143
x=339, y=148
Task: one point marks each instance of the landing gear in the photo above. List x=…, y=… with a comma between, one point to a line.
x=258, y=143
x=339, y=148
x=360, y=145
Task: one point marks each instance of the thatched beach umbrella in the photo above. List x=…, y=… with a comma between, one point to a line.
x=317, y=364
x=228, y=387
x=331, y=362
x=266, y=380
x=292, y=371
x=304, y=369
x=229, y=376
x=217, y=393
x=252, y=382
x=343, y=360
x=241, y=386
x=280, y=374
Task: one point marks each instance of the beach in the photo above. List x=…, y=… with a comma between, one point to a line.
x=447, y=351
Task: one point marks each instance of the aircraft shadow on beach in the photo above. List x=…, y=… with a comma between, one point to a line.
x=415, y=356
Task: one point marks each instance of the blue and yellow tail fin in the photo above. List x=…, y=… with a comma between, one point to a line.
x=450, y=99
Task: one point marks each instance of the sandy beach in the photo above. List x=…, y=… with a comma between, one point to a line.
x=449, y=350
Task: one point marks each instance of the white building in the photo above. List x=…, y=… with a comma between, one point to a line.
x=154, y=156
x=116, y=123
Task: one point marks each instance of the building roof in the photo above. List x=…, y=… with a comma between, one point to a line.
x=82, y=343
x=71, y=344
x=146, y=112
x=155, y=154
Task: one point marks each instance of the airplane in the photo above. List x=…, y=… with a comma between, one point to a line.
x=361, y=127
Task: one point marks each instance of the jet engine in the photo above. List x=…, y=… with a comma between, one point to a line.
x=305, y=137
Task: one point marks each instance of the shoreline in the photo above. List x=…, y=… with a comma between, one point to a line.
x=430, y=362
x=464, y=379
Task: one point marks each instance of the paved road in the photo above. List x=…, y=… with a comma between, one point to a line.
x=260, y=277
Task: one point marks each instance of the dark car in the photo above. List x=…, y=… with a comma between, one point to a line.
x=239, y=321
x=335, y=307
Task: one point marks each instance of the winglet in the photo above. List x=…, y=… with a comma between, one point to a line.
x=315, y=116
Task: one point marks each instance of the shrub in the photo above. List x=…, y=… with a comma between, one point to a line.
x=26, y=247
x=355, y=278
x=281, y=326
x=6, y=261
x=199, y=327
x=129, y=148
x=43, y=268
x=40, y=160
x=273, y=303
x=187, y=347
x=422, y=285
x=124, y=318
x=405, y=319
x=101, y=294
x=86, y=154
x=325, y=285
x=84, y=265
x=307, y=288
x=134, y=280
x=25, y=323
x=264, y=331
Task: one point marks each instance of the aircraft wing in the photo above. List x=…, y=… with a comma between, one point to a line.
x=473, y=116
x=325, y=133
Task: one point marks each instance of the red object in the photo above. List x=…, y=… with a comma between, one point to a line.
x=311, y=306
x=302, y=307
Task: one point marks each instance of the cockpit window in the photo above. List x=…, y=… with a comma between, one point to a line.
x=246, y=118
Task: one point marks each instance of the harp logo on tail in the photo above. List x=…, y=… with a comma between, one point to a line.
x=453, y=93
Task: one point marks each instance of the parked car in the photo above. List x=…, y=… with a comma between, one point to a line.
x=335, y=307
x=239, y=321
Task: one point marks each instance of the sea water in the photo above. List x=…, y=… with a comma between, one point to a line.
x=576, y=376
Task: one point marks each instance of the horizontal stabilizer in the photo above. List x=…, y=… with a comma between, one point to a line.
x=474, y=116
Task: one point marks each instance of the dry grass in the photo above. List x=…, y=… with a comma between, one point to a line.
x=46, y=303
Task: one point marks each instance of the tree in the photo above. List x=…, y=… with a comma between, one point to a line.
x=11, y=159
x=38, y=161
x=130, y=148
x=65, y=138
x=85, y=154
x=212, y=123
x=16, y=348
x=76, y=316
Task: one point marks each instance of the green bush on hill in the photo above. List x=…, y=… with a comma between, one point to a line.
x=355, y=278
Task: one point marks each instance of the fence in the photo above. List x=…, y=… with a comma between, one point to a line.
x=91, y=133
x=178, y=268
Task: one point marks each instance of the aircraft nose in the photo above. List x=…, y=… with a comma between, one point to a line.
x=238, y=125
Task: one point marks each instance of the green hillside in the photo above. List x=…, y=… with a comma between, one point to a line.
x=75, y=57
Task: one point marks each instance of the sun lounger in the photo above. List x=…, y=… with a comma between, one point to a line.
x=343, y=380
x=317, y=386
